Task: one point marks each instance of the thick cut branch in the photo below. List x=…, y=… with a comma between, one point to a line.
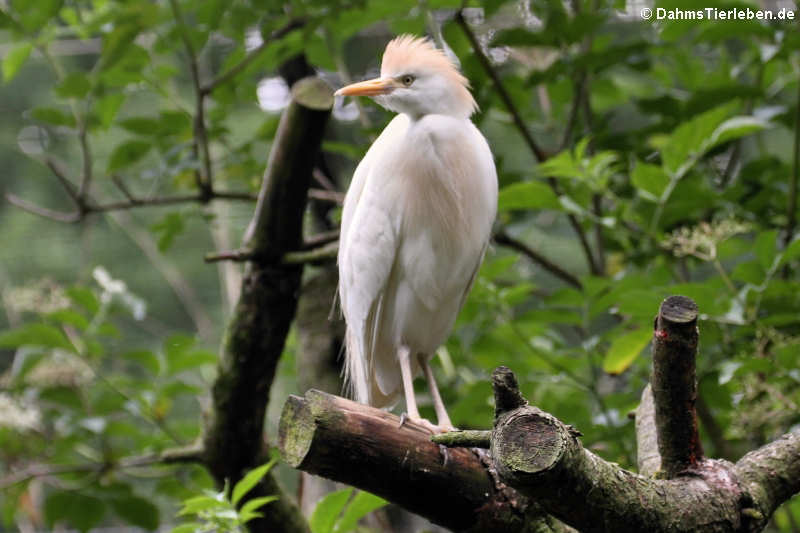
x=370, y=449
x=542, y=458
x=771, y=474
x=255, y=336
x=674, y=385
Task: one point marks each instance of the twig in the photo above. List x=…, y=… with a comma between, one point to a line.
x=84, y=207
x=320, y=177
x=251, y=56
x=572, y=119
x=122, y=187
x=504, y=239
x=314, y=255
x=318, y=239
x=334, y=197
x=59, y=173
x=230, y=255
x=190, y=454
x=597, y=208
x=791, y=209
x=203, y=178
x=58, y=216
x=86, y=156
x=540, y=154
x=537, y=151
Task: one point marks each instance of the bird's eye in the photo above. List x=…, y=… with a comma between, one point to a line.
x=407, y=80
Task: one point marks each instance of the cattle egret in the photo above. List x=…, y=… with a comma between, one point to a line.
x=415, y=226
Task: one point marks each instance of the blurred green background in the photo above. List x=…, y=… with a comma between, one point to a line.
x=672, y=147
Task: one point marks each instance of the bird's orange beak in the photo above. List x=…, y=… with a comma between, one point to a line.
x=368, y=88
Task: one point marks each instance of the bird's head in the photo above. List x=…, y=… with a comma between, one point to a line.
x=417, y=79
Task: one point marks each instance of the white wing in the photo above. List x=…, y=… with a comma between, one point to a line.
x=367, y=249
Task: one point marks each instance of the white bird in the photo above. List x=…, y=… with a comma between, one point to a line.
x=416, y=223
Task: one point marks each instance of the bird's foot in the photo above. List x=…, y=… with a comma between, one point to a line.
x=425, y=424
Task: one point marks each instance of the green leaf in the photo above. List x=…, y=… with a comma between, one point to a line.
x=35, y=334
x=137, y=511
x=127, y=153
x=69, y=317
x=202, y=503
x=116, y=44
x=141, y=125
x=691, y=139
x=51, y=115
x=526, y=195
x=79, y=510
x=362, y=504
x=185, y=360
x=736, y=127
x=624, y=349
x=14, y=59
x=250, y=480
x=248, y=510
x=146, y=358
x=74, y=85
x=766, y=247
x=107, y=108
x=327, y=511
x=651, y=180
x=167, y=229
x=791, y=252
x=84, y=297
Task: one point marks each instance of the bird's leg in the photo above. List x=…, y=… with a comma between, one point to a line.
x=442, y=419
x=404, y=356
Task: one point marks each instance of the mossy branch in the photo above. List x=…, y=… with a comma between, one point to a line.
x=254, y=340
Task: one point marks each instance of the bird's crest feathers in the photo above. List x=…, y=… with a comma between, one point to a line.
x=408, y=53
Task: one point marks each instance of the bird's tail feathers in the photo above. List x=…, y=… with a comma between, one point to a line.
x=356, y=369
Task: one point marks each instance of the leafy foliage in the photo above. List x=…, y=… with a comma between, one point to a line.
x=671, y=169
x=219, y=511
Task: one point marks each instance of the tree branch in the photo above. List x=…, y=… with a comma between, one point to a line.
x=771, y=474
x=251, y=56
x=542, y=458
x=255, y=337
x=203, y=178
x=58, y=216
x=169, y=456
x=791, y=207
x=504, y=239
x=86, y=207
x=369, y=448
x=674, y=387
x=537, y=151
x=534, y=147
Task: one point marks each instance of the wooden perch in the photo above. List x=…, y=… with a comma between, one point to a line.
x=254, y=340
x=369, y=448
x=537, y=464
x=542, y=458
x=674, y=385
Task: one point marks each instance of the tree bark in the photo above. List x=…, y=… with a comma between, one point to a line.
x=254, y=340
x=370, y=449
x=539, y=466
x=675, y=387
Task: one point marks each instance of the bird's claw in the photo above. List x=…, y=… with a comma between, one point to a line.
x=445, y=453
x=424, y=424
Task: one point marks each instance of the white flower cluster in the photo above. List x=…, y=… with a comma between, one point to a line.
x=18, y=415
x=701, y=241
